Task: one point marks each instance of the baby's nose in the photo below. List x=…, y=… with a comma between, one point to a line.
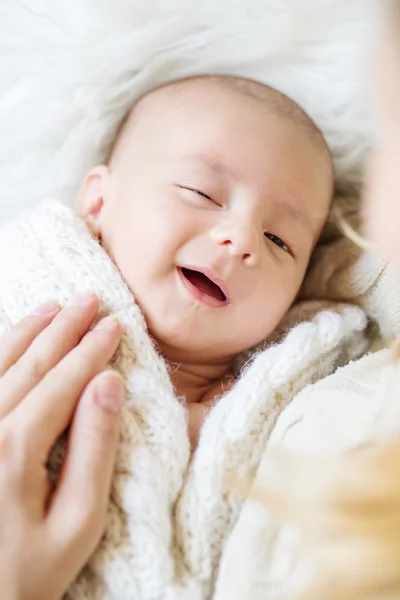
x=240, y=238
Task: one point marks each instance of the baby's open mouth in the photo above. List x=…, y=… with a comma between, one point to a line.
x=203, y=284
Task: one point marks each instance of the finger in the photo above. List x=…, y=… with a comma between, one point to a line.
x=15, y=343
x=46, y=351
x=81, y=498
x=47, y=410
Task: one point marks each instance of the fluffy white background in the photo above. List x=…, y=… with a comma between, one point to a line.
x=69, y=70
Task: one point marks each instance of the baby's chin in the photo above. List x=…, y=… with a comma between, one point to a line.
x=202, y=346
x=182, y=347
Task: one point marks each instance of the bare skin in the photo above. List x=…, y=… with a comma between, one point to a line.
x=201, y=394
x=382, y=208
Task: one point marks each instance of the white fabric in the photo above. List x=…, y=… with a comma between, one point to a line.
x=168, y=516
x=358, y=404
x=70, y=70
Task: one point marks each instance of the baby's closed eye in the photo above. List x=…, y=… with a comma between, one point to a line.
x=203, y=197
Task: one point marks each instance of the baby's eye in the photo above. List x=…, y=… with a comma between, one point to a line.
x=276, y=240
x=201, y=194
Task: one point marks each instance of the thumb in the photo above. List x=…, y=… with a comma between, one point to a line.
x=82, y=493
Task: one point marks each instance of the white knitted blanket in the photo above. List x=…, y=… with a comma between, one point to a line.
x=169, y=514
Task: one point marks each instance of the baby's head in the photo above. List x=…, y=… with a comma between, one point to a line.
x=214, y=196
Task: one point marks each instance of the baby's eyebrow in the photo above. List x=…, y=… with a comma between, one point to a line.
x=295, y=213
x=213, y=163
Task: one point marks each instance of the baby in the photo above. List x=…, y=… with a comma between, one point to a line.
x=211, y=203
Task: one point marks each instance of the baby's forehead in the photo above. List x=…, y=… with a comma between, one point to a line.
x=177, y=95
x=231, y=88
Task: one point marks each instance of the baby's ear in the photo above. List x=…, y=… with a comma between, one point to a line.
x=92, y=196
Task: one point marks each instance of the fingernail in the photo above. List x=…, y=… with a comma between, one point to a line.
x=81, y=299
x=46, y=308
x=107, y=323
x=109, y=393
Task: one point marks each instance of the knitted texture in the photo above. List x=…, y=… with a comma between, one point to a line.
x=169, y=514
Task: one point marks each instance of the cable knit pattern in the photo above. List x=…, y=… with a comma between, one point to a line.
x=169, y=514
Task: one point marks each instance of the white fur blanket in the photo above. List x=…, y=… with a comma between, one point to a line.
x=70, y=70
x=169, y=516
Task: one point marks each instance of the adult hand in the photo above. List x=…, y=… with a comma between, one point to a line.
x=51, y=377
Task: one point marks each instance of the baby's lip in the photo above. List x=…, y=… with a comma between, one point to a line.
x=209, y=273
x=215, y=279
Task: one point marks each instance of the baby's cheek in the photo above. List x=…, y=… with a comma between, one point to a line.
x=267, y=309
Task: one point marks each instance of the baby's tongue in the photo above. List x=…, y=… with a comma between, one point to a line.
x=204, y=284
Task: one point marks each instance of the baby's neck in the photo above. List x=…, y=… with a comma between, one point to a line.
x=200, y=383
x=193, y=374
x=195, y=382
x=201, y=386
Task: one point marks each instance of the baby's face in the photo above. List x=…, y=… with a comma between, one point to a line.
x=211, y=215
